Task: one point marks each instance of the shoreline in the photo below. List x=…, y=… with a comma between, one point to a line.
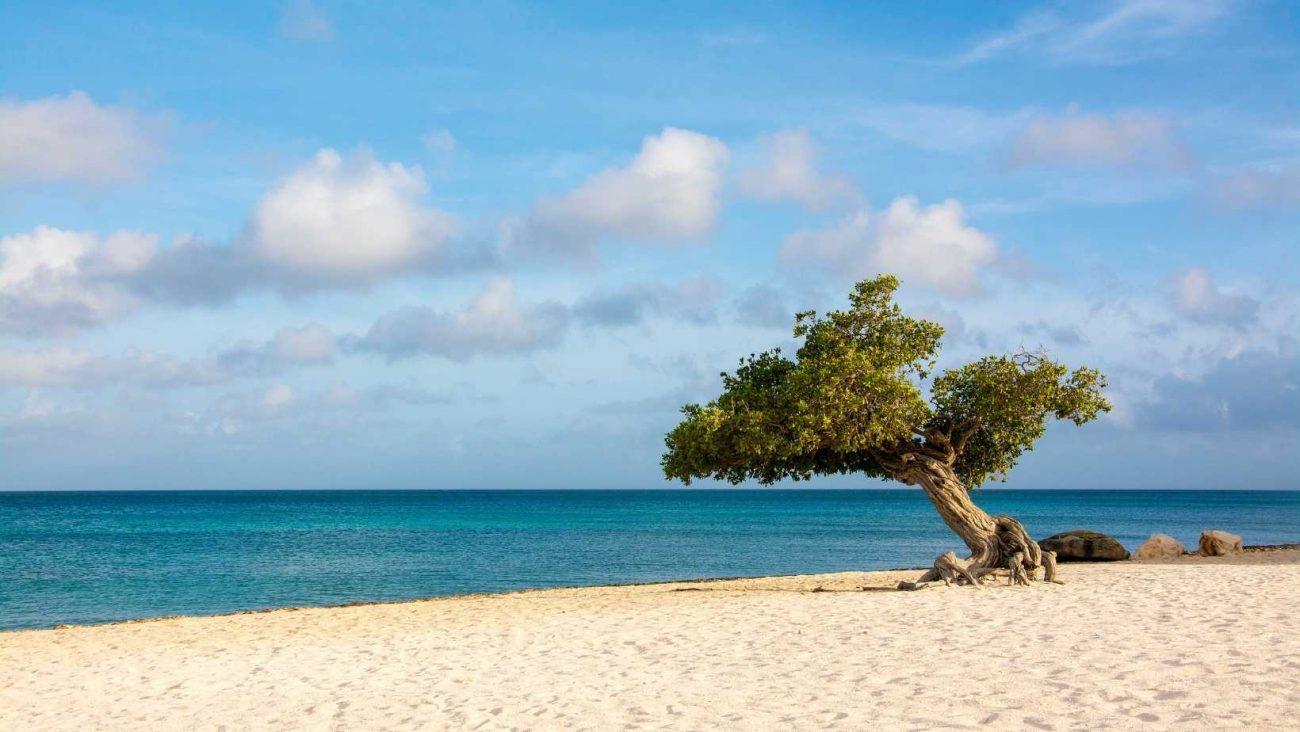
x=469, y=596
x=1250, y=549
x=1206, y=642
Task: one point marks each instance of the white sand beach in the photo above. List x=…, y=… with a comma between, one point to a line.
x=1193, y=643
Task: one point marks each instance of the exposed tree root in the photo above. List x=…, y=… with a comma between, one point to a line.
x=1049, y=568
x=998, y=544
x=1008, y=550
x=951, y=569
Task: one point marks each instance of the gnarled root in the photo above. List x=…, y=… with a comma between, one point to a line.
x=1016, y=568
x=1008, y=549
x=1011, y=550
x=1049, y=568
x=947, y=569
x=951, y=569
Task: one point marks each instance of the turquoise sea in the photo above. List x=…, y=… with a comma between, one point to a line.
x=99, y=556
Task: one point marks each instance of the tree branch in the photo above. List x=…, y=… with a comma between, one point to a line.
x=966, y=429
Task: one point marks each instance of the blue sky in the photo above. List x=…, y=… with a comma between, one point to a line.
x=496, y=245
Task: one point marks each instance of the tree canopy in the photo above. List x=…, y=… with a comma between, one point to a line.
x=859, y=397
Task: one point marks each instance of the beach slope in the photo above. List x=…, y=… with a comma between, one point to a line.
x=1197, y=643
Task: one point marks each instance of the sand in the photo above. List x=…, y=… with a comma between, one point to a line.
x=1197, y=644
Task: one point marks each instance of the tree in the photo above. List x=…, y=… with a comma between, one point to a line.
x=853, y=401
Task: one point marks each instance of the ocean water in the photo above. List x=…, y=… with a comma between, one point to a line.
x=100, y=556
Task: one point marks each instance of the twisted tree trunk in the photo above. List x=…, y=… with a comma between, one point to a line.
x=995, y=542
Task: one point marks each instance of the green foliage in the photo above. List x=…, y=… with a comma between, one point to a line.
x=852, y=401
x=998, y=407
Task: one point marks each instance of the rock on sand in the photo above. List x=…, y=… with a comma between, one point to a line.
x=1219, y=543
x=1159, y=546
x=1080, y=545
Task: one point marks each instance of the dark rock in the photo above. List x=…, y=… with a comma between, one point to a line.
x=1084, y=546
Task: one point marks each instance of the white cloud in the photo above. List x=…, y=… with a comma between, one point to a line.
x=1098, y=140
x=349, y=220
x=54, y=281
x=72, y=138
x=668, y=192
x=850, y=240
x=930, y=245
x=301, y=20
x=493, y=323
x=1127, y=31
x=1196, y=295
x=335, y=222
x=788, y=171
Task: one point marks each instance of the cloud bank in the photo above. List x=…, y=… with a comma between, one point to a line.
x=788, y=172
x=336, y=222
x=54, y=282
x=669, y=192
x=74, y=139
x=311, y=345
x=692, y=300
x=1099, y=140
x=930, y=245
x=348, y=220
x=1196, y=295
x=493, y=323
